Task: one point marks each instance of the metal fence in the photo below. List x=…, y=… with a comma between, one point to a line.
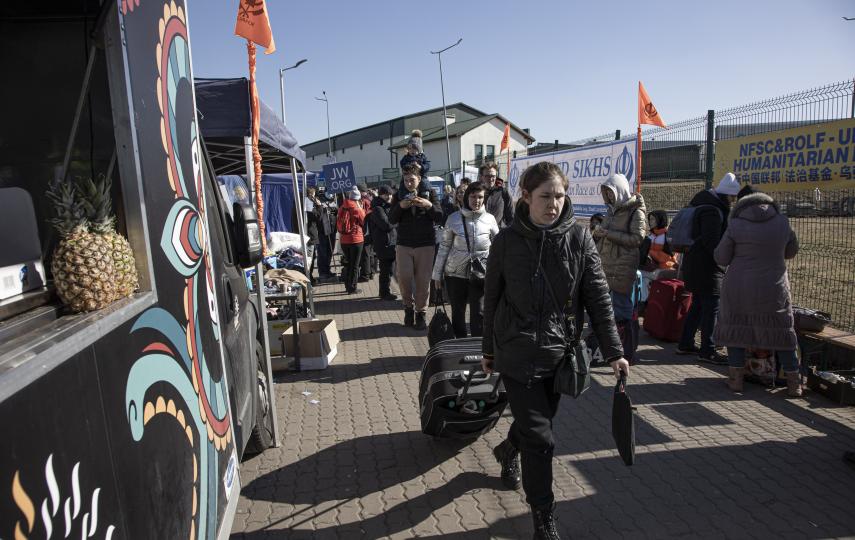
x=677, y=162
x=675, y=166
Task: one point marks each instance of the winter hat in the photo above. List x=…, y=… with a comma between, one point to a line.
x=354, y=194
x=745, y=191
x=619, y=186
x=728, y=185
x=416, y=140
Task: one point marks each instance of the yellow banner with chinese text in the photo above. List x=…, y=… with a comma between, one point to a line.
x=803, y=158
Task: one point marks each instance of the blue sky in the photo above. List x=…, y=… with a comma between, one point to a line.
x=566, y=70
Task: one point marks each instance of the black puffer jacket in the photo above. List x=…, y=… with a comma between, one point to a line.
x=383, y=233
x=523, y=327
x=415, y=225
x=498, y=203
x=700, y=272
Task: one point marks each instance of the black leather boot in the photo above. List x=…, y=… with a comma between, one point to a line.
x=544, y=522
x=509, y=458
x=409, y=316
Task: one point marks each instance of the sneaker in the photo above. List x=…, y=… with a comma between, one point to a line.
x=715, y=358
x=388, y=297
x=354, y=291
x=363, y=279
x=421, y=321
x=686, y=352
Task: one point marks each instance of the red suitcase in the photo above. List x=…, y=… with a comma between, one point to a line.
x=667, y=305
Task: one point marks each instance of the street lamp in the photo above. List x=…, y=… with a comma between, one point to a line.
x=444, y=113
x=329, y=139
x=282, y=84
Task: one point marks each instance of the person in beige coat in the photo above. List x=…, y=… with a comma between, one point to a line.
x=755, y=293
x=618, y=239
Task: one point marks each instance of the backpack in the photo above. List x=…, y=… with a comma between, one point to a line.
x=644, y=260
x=344, y=222
x=681, y=233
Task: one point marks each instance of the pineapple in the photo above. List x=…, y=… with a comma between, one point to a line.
x=97, y=202
x=82, y=264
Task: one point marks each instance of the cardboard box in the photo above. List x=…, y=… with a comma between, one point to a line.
x=318, y=345
x=275, y=329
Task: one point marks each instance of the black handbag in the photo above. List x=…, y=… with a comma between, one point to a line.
x=477, y=268
x=440, y=328
x=623, y=422
x=810, y=320
x=573, y=374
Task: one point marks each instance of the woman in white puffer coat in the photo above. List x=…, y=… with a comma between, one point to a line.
x=466, y=242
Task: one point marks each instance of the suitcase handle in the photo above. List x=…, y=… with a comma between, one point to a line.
x=482, y=378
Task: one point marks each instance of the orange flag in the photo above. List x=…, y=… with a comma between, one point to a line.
x=254, y=24
x=647, y=113
x=506, y=139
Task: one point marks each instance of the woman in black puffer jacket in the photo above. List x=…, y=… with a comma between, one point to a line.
x=524, y=329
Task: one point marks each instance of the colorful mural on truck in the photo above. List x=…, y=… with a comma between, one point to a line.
x=132, y=437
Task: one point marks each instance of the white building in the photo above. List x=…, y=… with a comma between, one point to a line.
x=474, y=137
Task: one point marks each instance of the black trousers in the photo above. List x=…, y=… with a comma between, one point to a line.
x=352, y=256
x=462, y=293
x=533, y=409
x=366, y=261
x=385, y=275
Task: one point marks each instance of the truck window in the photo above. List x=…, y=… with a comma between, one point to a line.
x=90, y=243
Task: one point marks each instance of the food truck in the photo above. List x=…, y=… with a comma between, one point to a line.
x=134, y=373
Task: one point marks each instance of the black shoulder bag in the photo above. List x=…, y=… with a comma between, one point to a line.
x=573, y=375
x=477, y=269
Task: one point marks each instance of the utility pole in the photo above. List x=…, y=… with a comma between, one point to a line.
x=329, y=139
x=444, y=112
x=282, y=84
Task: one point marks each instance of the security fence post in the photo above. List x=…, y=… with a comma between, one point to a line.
x=710, y=150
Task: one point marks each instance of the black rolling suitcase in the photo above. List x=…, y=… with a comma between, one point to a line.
x=457, y=399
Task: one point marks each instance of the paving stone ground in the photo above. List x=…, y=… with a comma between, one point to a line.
x=709, y=464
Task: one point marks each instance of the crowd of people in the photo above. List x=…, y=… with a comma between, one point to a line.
x=522, y=271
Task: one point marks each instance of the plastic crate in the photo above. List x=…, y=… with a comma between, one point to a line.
x=838, y=392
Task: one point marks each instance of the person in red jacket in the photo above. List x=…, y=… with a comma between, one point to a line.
x=350, y=224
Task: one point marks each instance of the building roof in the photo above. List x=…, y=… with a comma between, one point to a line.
x=459, y=105
x=459, y=128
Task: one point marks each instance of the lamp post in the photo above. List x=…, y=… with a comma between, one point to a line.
x=329, y=139
x=282, y=84
x=444, y=113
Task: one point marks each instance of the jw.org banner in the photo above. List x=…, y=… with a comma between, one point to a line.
x=586, y=168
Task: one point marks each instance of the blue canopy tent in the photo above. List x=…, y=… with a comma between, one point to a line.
x=225, y=118
x=225, y=121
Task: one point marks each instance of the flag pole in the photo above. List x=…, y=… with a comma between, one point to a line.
x=256, y=155
x=638, y=160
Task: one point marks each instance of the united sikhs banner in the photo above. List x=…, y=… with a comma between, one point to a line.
x=586, y=168
x=803, y=158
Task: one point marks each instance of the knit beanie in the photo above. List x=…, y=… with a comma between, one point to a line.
x=728, y=185
x=354, y=194
x=745, y=191
x=416, y=140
